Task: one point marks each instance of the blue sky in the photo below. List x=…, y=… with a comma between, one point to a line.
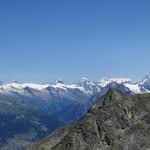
x=43, y=40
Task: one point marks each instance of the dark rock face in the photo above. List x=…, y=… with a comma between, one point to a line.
x=115, y=122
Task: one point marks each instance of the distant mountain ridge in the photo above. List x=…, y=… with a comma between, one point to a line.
x=84, y=85
x=57, y=96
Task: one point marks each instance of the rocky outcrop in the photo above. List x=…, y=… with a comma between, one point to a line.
x=115, y=122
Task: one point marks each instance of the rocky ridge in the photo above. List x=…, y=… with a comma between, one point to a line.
x=115, y=122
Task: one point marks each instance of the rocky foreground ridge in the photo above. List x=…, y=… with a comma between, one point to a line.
x=115, y=122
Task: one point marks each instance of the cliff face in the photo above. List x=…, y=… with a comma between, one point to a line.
x=115, y=122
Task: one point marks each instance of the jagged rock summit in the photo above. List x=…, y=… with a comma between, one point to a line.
x=115, y=122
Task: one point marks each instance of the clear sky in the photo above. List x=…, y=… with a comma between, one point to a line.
x=43, y=40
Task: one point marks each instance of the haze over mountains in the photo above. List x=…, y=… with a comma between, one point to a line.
x=37, y=109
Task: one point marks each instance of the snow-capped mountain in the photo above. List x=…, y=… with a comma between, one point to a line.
x=58, y=95
x=145, y=83
x=44, y=107
x=49, y=97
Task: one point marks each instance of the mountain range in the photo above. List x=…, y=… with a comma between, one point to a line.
x=41, y=108
x=115, y=122
x=58, y=96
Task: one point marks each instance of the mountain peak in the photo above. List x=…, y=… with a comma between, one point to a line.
x=147, y=77
x=59, y=81
x=106, y=81
x=112, y=94
x=146, y=82
x=84, y=79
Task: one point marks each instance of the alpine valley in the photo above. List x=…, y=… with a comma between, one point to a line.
x=29, y=111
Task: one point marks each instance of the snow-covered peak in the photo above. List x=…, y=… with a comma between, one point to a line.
x=19, y=87
x=84, y=82
x=84, y=79
x=146, y=82
x=106, y=81
x=35, y=86
x=84, y=85
x=146, y=79
x=59, y=81
x=147, y=76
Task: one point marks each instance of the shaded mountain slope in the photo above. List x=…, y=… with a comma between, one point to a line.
x=115, y=122
x=20, y=126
